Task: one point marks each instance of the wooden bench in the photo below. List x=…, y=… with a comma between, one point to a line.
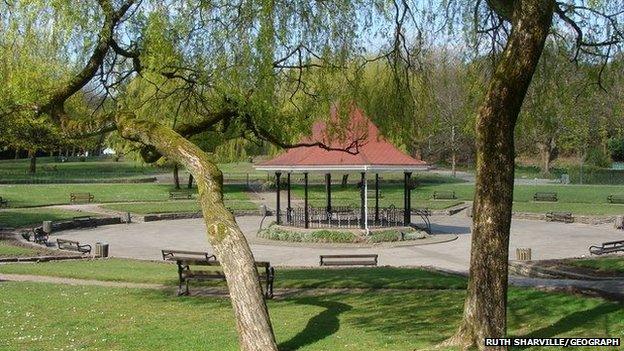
x=180, y=195
x=84, y=222
x=545, y=196
x=71, y=245
x=616, y=198
x=608, y=247
x=172, y=255
x=193, y=265
x=4, y=202
x=444, y=195
x=559, y=217
x=348, y=260
x=81, y=197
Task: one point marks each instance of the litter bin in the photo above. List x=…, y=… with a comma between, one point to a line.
x=523, y=254
x=47, y=227
x=101, y=249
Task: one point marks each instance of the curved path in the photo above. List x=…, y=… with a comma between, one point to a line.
x=548, y=241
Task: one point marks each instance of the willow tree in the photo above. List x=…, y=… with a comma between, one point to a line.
x=229, y=67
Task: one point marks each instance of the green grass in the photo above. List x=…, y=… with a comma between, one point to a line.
x=115, y=269
x=572, y=198
x=38, y=316
x=28, y=216
x=605, y=264
x=53, y=194
x=575, y=208
x=176, y=206
x=48, y=169
x=9, y=250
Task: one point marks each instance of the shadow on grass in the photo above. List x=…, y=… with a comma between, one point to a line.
x=575, y=320
x=318, y=327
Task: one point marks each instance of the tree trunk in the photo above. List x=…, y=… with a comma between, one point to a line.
x=486, y=300
x=190, y=181
x=453, y=153
x=176, y=177
x=230, y=246
x=547, y=154
x=33, y=161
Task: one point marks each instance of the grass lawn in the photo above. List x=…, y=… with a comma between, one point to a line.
x=9, y=250
x=605, y=264
x=176, y=206
x=38, y=316
x=49, y=169
x=572, y=198
x=115, y=269
x=28, y=216
x=575, y=208
x=24, y=195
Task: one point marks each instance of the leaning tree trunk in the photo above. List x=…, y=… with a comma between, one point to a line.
x=486, y=300
x=252, y=317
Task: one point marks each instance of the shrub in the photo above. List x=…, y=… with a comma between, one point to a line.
x=596, y=157
x=616, y=149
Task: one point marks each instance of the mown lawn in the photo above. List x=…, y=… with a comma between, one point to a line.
x=48, y=169
x=605, y=264
x=25, y=195
x=23, y=217
x=126, y=270
x=38, y=316
x=572, y=198
x=9, y=250
x=176, y=206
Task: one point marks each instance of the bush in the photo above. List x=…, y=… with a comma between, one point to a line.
x=596, y=157
x=334, y=236
x=616, y=149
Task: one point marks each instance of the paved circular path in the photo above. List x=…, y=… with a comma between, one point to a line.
x=548, y=241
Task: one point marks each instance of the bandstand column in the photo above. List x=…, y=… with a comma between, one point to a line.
x=277, y=192
x=288, y=208
x=328, y=193
x=376, y=198
x=305, y=200
x=407, y=201
x=363, y=201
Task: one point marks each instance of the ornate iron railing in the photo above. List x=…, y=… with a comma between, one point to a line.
x=349, y=217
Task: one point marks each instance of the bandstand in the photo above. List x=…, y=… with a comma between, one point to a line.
x=360, y=150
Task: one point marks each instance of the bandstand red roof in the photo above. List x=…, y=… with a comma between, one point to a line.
x=366, y=149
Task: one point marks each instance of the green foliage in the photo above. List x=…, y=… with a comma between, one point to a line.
x=597, y=158
x=318, y=236
x=337, y=236
x=616, y=148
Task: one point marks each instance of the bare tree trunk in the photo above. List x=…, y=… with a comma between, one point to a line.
x=453, y=153
x=33, y=161
x=547, y=154
x=486, y=300
x=252, y=318
x=176, y=176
